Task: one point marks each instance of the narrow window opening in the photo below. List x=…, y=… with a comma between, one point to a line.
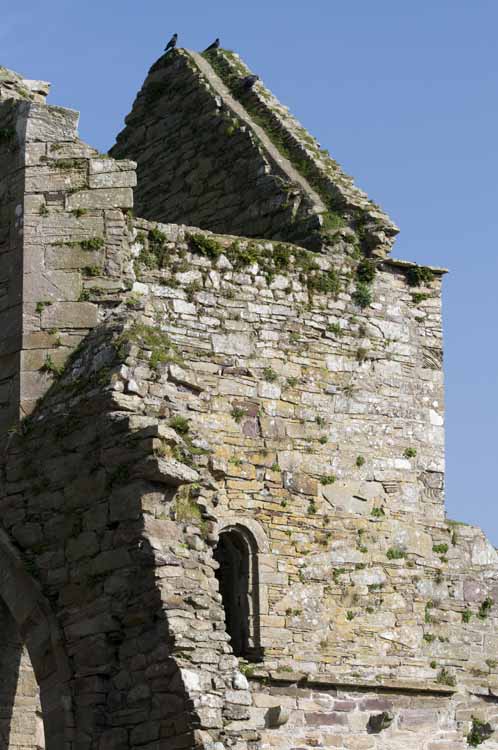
x=238, y=581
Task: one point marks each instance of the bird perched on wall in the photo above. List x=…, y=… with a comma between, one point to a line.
x=249, y=81
x=214, y=45
x=172, y=43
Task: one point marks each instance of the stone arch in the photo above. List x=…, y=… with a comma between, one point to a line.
x=37, y=630
x=237, y=554
x=248, y=526
x=21, y=723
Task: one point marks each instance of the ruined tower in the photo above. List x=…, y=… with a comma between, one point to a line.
x=222, y=421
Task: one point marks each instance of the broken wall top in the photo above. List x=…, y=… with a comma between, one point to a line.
x=216, y=154
x=14, y=86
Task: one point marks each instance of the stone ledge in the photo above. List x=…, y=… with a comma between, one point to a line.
x=330, y=681
x=411, y=264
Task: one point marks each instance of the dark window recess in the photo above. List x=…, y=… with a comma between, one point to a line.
x=238, y=582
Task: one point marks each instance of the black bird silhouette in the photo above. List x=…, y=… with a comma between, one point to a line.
x=172, y=43
x=249, y=81
x=214, y=45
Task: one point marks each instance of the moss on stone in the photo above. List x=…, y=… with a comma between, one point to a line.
x=68, y=164
x=327, y=479
x=282, y=255
x=242, y=256
x=440, y=549
x=153, y=254
x=378, y=512
x=332, y=221
x=41, y=305
x=269, y=374
x=237, y=413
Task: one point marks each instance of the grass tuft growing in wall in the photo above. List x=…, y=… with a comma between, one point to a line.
x=206, y=246
x=151, y=339
x=179, y=424
x=419, y=276
x=480, y=731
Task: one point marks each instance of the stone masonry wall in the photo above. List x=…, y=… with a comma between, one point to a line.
x=15, y=92
x=342, y=199
x=86, y=535
x=177, y=384
x=107, y=533
x=344, y=717
x=74, y=229
x=206, y=156
x=326, y=422
x=65, y=229
x=11, y=189
x=362, y=579
x=20, y=711
x=198, y=162
x=349, y=552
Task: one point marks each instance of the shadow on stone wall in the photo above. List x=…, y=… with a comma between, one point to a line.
x=92, y=518
x=10, y=657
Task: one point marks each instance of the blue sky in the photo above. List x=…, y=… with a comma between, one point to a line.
x=405, y=97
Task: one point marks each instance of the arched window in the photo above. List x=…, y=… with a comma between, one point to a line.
x=238, y=580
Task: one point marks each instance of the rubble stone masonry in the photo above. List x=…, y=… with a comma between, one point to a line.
x=222, y=472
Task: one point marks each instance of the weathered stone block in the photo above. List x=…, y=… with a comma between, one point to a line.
x=70, y=315
x=233, y=343
x=50, y=123
x=58, y=285
x=104, y=198
x=112, y=180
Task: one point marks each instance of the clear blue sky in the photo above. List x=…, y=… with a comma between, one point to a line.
x=404, y=95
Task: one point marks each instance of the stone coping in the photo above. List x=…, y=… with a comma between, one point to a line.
x=411, y=264
x=238, y=110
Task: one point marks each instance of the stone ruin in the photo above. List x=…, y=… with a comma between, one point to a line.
x=222, y=513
